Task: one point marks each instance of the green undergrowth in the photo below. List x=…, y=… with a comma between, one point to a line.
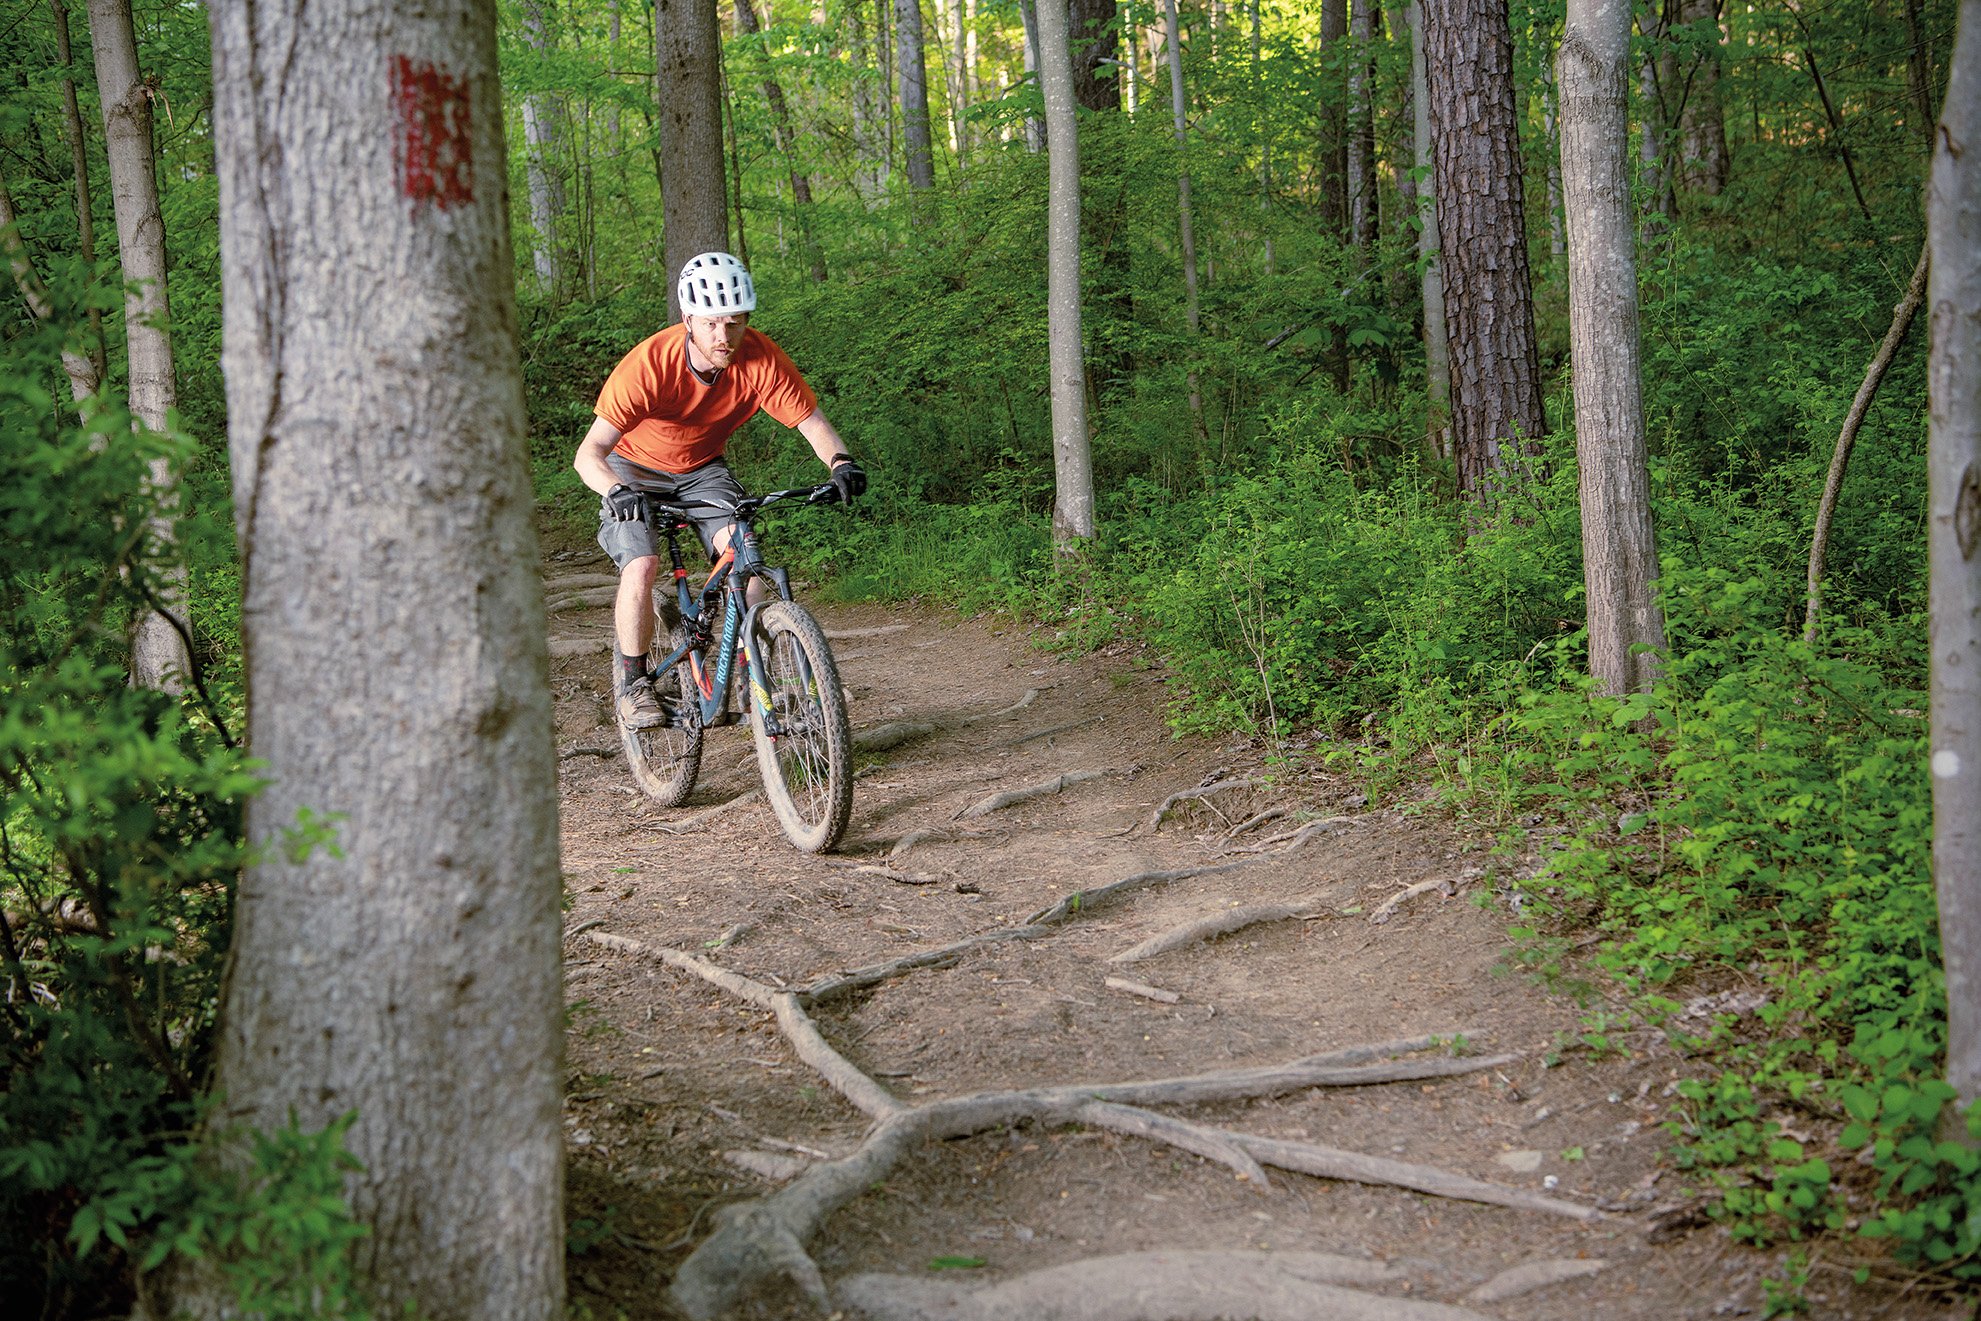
x=120, y=839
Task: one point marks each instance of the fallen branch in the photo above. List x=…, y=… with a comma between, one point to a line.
x=1180, y=1285
x=587, y=751
x=1011, y=797
x=1354, y=1167
x=1197, y=794
x=1147, y=992
x=1409, y=892
x=1031, y=696
x=1208, y=928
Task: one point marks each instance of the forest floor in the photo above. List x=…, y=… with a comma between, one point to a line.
x=685, y=1099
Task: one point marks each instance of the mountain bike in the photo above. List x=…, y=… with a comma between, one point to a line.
x=709, y=640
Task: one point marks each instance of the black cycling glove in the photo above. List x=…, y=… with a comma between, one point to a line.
x=848, y=477
x=625, y=504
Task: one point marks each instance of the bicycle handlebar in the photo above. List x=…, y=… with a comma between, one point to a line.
x=824, y=493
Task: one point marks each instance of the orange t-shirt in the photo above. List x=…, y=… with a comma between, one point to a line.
x=669, y=421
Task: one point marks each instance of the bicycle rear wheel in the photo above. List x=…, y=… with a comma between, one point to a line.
x=666, y=758
x=805, y=743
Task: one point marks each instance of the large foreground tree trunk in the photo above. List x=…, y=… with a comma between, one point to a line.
x=159, y=657
x=1073, y=466
x=694, y=197
x=1953, y=223
x=1496, y=409
x=393, y=628
x=1619, y=552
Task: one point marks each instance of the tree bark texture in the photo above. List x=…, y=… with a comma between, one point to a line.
x=1073, y=467
x=1333, y=161
x=1702, y=122
x=1619, y=552
x=393, y=627
x=1028, y=12
x=1096, y=50
x=694, y=200
x=1186, y=230
x=1551, y=129
x=72, y=131
x=544, y=130
x=1361, y=161
x=1437, y=359
x=912, y=75
x=159, y=657
x=1496, y=414
x=1953, y=226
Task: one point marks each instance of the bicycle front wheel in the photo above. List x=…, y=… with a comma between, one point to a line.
x=666, y=758
x=804, y=741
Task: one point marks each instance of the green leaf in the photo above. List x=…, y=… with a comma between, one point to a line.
x=956, y=1263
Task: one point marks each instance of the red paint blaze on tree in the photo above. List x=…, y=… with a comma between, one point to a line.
x=434, y=140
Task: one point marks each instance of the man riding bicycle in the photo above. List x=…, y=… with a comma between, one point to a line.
x=663, y=424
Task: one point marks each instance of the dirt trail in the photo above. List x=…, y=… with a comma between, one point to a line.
x=684, y=1099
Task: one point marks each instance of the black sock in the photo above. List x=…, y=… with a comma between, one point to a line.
x=626, y=668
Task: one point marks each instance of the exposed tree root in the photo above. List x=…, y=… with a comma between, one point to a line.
x=572, y=582
x=1031, y=696
x=1155, y=1286
x=590, y=596
x=707, y=814
x=1198, y=794
x=1293, y=839
x=875, y=631
x=1397, y=900
x=1142, y=989
x=1207, y=928
x=1010, y=797
x=564, y=648
x=834, y=985
x=914, y=837
x=1256, y=820
x=891, y=735
x=767, y=1237
x=1526, y=1278
x=1037, y=734
x=876, y=869
x=587, y=751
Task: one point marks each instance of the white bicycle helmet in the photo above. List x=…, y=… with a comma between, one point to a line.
x=715, y=284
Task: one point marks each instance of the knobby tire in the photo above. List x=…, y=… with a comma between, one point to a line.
x=807, y=765
x=666, y=759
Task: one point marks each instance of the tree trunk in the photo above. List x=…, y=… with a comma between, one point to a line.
x=1437, y=358
x=1551, y=130
x=1919, y=73
x=393, y=633
x=1035, y=129
x=76, y=365
x=1178, y=109
x=1953, y=226
x=694, y=189
x=159, y=658
x=1702, y=122
x=785, y=139
x=1096, y=50
x=544, y=131
x=914, y=94
x=72, y=130
x=1867, y=390
x=1619, y=552
x=1653, y=150
x=1333, y=108
x=1497, y=418
x=1361, y=127
x=1073, y=469
x=869, y=114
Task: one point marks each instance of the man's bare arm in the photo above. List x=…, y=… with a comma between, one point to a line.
x=590, y=463
x=821, y=436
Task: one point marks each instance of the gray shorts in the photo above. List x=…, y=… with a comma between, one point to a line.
x=634, y=539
